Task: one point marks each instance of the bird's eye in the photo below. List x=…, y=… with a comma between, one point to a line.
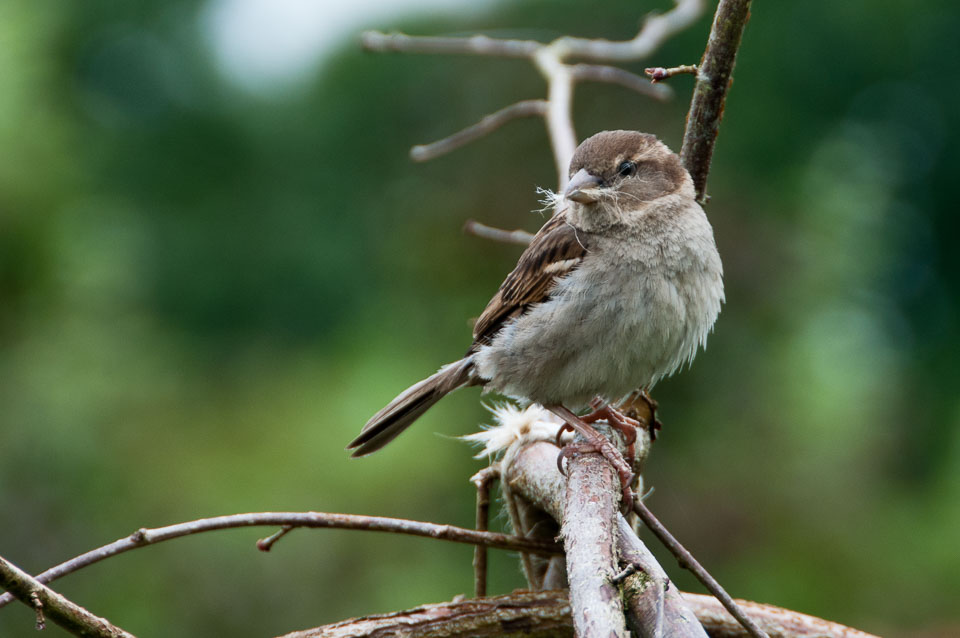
x=626, y=169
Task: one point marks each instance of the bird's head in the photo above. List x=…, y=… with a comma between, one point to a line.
x=614, y=172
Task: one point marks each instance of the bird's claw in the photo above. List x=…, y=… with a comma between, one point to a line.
x=573, y=449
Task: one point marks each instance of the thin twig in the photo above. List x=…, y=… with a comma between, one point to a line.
x=687, y=561
x=490, y=123
x=482, y=481
x=266, y=544
x=613, y=75
x=54, y=606
x=144, y=537
x=519, y=237
x=710, y=92
x=658, y=73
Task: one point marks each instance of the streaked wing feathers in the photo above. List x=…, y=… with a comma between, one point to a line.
x=554, y=252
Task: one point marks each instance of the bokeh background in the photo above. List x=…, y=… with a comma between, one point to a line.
x=216, y=261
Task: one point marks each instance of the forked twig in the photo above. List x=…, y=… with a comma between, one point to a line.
x=552, y=60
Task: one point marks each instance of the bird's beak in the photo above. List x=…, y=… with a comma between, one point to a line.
x=583, y=187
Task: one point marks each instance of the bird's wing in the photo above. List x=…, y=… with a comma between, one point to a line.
x=554, y=252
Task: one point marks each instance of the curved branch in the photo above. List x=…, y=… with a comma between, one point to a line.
x=489, y=123
x=143, y=537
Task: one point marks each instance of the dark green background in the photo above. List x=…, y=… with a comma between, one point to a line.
x=205, y=292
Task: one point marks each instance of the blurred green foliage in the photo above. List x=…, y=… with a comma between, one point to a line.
x=204, y=292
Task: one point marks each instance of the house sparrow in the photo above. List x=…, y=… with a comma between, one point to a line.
x=617, y=290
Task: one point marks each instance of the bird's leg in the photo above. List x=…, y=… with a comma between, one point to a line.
x=597, y=442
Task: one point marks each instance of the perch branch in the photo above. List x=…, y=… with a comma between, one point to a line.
x=531, y=472
x=69, y=615
x=687, y=561
x=710, y=92
x=547, y=615
x=143, y=537
x=589, y=539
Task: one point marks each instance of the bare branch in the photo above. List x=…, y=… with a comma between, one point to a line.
x=687, y=561
x=490, y=123
x=143, y=537
x=656, y=29
x=710, y=93
x=530, y=614
x=519, y=237
x=614, y=75
x=520, y=526
x=559, y=115
x=547, y=615
x=482, y=481
x=474, y=45
x=551, y=60
x=658, y=73
x=58, y=608
x=776, y=621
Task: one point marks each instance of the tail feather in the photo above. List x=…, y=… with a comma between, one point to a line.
x=399, y=414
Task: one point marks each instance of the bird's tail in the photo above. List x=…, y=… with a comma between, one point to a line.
x=400, y=413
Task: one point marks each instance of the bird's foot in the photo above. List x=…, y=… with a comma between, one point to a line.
x=627, y=426
x=596, y=442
